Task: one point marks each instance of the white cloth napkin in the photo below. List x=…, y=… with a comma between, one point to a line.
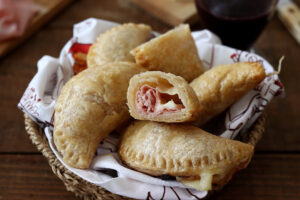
x=106, y=169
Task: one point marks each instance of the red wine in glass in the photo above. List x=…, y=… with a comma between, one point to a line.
x=237, y=22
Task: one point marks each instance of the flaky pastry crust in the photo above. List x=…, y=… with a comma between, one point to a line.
x=174, y=52
x=183, y=151
x=223, y=85
x=90, y=106
x=116, y=43
x=174, y=101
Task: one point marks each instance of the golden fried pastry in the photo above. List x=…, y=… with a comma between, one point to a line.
x=174, y=52
x=116, y=43
x=196, y=158
x=222, y=85
x=160, y=96
x=90, y=106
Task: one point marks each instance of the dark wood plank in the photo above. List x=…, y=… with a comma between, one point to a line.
x=282, y=127
x=268, y=177
x=29, y=177
x=113, y=10
x=16, y=71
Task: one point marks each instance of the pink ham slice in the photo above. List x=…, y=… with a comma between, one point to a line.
x=14, y=17
x=150, y=100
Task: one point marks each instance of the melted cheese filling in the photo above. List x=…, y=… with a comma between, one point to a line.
x=170, y=105
x=202, y=184
x=157, y=100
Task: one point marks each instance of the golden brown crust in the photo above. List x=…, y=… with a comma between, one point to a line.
x=174, y=52
x=116, y=43
x=90, y=106
x=176, y=90
x=182, y=151
x=222, y=85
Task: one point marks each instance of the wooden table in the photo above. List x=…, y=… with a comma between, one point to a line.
x=274, y=172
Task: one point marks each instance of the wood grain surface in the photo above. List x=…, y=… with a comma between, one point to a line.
x=170, y=11
x=274, y=172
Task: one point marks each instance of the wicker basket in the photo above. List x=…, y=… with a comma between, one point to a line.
x=87, y=190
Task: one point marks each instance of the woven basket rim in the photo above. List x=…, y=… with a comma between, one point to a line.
x=86, y=190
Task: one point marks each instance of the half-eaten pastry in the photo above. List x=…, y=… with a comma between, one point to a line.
x=174, y=52
x=116, y=43
x=223, y=85
x=90, y=106
x=196, y=158
x=163, y=97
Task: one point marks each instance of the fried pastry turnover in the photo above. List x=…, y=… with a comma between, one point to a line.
x=116, y=43
x=90, y=106
x=196, y=158
x=174, y=52
x=160, y=96
x=222, y=85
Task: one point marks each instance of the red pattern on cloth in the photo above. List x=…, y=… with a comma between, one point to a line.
x=78, y=47
x=79, y=52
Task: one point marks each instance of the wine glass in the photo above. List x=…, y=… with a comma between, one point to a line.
x=237, y=22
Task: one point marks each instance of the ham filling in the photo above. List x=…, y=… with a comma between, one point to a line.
x=15, y=15
x=150, y=100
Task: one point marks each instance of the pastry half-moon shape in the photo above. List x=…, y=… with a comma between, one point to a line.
x=222, y=85
x=196, y=158
x=116, y=43
x=90, y=106
x=174, y=52
x=163, y=97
